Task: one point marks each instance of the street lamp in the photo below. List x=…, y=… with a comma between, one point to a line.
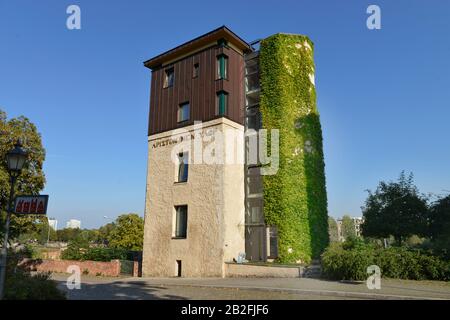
x=15, y=160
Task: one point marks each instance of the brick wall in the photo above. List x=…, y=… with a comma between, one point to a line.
x=95, y=268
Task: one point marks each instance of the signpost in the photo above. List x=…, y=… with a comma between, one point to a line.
x=30, y=204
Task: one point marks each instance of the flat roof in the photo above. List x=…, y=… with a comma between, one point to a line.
x=220, y=33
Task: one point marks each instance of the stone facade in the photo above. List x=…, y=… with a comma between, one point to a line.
x=213, y=193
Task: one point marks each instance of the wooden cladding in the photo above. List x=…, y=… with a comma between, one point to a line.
x=199, y=90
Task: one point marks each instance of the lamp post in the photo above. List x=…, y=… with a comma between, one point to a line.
x=15, y=160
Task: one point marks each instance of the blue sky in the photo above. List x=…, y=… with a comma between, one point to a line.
x=383, y=95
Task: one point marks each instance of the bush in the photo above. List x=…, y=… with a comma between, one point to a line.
x=347, y=264
x=74, y=252
x=22, y=285
x=105, y=254
x=349, y=261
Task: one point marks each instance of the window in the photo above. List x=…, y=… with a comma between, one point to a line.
x=180, y=222
x=222, y=103
x=195, y=70
x=183, y=162
x=272, y=234
x=168, y=80
x=178, y=268
x=183, y=112
x=222, y=66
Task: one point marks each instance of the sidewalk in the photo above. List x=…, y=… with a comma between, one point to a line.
x=390, y=289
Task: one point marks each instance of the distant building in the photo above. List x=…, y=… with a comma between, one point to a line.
x=73, y=224
x=357, y=222
x=53, y=223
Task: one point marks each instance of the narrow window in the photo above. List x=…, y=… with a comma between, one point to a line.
x=180, y=222
x=183, y=162
x=178, y=268
x=222, y=103
x=168, y=80
x=195, y=70
x=183, y=112
x=222, y=66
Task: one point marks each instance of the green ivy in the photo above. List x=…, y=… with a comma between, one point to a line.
x=295, y=198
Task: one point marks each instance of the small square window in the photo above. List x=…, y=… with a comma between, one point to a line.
x=168, y=80
x=183, y=112
x=195, y=71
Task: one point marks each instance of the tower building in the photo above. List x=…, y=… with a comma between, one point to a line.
x=235, y=160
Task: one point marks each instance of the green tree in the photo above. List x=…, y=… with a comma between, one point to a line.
x=68, y=234
x=32, y=178
x=440, y=224
x=348, y=227
x=104, y=232
x=397, y=209
x=128, y=232
x=333, y=230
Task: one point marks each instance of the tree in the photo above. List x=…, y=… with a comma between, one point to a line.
x=440, y=223
x=104, y=232
x=333, y=230
x=68, y=234
x=348, y=227
x=128, y=232
x=31, y=180
x=397, y=209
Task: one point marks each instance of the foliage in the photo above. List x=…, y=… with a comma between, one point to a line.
x=22, y=285
x=333, y=230
x=349, y=261
x=68, y=234
x=76, y=252
x=348, y=227
x=397, y=209
x=295, y=197
x=128, y=232
x=105, y=231
x=106, y=254
x=440, y=226
x=31, y=180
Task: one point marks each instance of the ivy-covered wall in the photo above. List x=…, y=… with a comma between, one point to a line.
x=295, y=198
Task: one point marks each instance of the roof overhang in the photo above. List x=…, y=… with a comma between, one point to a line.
x=198, y=43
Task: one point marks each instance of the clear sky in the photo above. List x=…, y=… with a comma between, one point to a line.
x=383, y=95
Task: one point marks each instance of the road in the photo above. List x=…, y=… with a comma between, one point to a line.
x=101, y=288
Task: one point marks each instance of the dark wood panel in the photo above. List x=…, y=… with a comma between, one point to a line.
x=200, y=92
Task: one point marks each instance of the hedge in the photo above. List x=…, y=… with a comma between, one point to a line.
x=295, y=198
x=341, y=263
x=95, y=254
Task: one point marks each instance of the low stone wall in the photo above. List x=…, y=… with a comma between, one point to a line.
x=95, y=268
x=253, y=270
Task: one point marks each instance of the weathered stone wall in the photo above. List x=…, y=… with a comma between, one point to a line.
x=248, y=270
x=214, y=194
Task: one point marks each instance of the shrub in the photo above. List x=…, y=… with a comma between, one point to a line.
x=22, y=285
x=105, y=254
x=347, y=264
x=74, y=252
x=349, y=261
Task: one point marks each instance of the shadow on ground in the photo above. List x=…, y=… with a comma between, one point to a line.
x=117, y=291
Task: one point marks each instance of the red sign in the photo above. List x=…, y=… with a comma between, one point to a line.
x=31, y=205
